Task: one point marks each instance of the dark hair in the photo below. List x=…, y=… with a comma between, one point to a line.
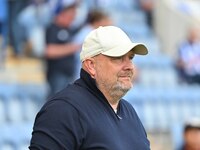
x=192, y=124
x=96, y=15
x=190, y=127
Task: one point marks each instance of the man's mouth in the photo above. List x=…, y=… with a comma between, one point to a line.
x=125, y=77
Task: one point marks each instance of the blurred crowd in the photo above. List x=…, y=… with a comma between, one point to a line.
x=53, y=30
x=23, y=22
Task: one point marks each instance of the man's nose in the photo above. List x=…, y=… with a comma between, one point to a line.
x=128, y=63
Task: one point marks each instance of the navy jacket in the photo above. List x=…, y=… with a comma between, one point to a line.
x=80, y=118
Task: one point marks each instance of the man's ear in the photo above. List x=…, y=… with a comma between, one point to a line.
x=90, y=66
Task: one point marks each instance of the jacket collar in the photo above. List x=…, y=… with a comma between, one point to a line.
x=91, y=84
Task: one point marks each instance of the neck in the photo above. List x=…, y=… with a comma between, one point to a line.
x=113, y=101
x=113, y=97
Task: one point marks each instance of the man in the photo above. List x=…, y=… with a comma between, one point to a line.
x=191, y=135
x=60, y=50
x=3, y=31
x=188, y=63
x=90, y=114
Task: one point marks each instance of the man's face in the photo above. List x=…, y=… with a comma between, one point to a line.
x=114, y=74
x=192, y=139
x=68, y=16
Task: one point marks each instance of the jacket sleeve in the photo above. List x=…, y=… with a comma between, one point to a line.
x=57, y=126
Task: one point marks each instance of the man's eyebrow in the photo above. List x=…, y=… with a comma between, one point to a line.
x=132, y=54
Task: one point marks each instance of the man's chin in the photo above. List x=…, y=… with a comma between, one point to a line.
x=127, y=85
x=126, y=88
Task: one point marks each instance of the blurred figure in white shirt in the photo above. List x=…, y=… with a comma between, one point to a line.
x=188, y=63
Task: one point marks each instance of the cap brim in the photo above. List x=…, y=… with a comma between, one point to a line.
x=137, y=48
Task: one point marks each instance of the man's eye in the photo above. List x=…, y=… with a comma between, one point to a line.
x=131, y=57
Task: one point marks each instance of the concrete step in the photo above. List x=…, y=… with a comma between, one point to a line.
x=23, y=69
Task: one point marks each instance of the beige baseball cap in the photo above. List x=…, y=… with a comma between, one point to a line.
x=109, y=41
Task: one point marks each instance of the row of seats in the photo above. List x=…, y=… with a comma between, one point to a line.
x=162, y=108
x=20, y=103
x=179, y=103
x=156, y=70
x=158, y=78
x=15, y=136
x=158, y=108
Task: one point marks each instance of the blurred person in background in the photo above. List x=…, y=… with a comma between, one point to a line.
x=3, y=30
x=191, y=135
x=188, y=63
x=95, y=19
x=60, y=50
x=35, y=18
x=90, y=113
x=16, y=31
x=147, y=6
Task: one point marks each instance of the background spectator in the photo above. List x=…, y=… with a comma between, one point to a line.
x=3, y=30
x=188, y=63
x=191, y=135
x=34, y=19
x=16, y=34
x=147, y=6
x=60, y=51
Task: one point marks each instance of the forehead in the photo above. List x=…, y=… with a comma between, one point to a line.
x=193, y=135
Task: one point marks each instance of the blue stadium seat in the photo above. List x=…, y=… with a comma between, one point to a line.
x=159, y=108
x=33, y=96
x=21, y=102
x=7, y=93
x=2, y=111
x=14, y=136
x=15, y=109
